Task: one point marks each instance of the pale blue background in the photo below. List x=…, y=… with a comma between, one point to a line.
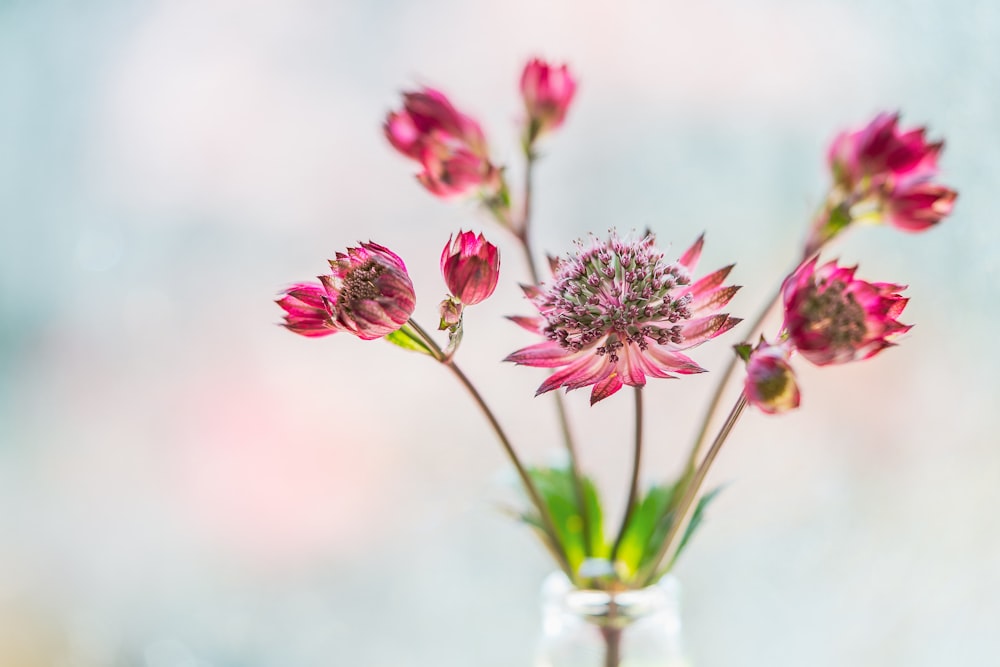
x=184, y=484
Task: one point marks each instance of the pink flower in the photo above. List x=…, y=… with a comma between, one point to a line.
x=893, y=169
x=616, y=312
x=881, y=151
x=833, y=318
x=547, y=92
x=471, y=267
x=367, y=293
x=449, y=145
x=770, y=383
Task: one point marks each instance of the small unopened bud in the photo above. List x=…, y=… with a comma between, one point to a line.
x=451, y=313
x=770, y=383
x=547, y=92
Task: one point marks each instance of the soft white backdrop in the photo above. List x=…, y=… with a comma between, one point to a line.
x=184, y=483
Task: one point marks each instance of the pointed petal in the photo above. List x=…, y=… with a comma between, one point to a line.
x=697, y=331
x=690, y=258
x=714, y=300
x=584, y=371
x=532, y=324
x=673, y=361
x=543, y=355
x=605, y=388
x=711, y=281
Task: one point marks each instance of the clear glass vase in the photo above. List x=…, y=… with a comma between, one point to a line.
x=590, y=628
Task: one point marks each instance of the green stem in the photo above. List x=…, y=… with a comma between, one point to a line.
x=649, y=573
x=720, y=388
x=549, y=527
x=523, y=235
x=633, y=490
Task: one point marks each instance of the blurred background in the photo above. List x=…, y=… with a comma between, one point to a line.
x=185, y=484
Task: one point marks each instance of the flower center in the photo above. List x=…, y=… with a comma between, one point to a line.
x=359, y=283
x=623, y=292
x=835, y=313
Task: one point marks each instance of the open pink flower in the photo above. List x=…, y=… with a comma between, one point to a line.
x=616, y=311
x=547, y=91
x=832, y=318
x=449, y=145
x=367, y=293
x=770, y=384
x=471, y=267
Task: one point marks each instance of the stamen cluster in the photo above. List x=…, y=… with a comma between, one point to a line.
x=617, y=311
x=615, y=290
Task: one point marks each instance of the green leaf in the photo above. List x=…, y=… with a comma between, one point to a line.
x=647, y=527
x=557, y=488
x=743, y=351
x=408, y=339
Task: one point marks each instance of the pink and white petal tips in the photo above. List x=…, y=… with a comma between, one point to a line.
x=547, y=91
x=616, y=312
x=367, y=293
x=471, y=267
x=449, y=145
x=831, y=317
x=770, y=384
x=308, y=310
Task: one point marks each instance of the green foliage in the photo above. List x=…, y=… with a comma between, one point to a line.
x=558, y=492
x=647, y=528
x=644, y=535
x=408, y=339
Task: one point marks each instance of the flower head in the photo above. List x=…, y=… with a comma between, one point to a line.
x=471, y=267
x=449, y=145
x=617, y=311
x=883, y=173
x=832, y=318
x=547, y=91
x=367, y=293
x=770, y=384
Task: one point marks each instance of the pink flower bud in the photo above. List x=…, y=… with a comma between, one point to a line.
x=547, y=92
x=770, y=383
x=471, y=267
x=449, y=145
x=915, y=207
x=887, y=174
x=367, y=293
x=833, y=318
x=451, y=313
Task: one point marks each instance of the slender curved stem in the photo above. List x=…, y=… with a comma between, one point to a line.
x=633, y=489
x=720, y=388
x=681, y=518
x=713, y=405
x=523, y=235
x=549, y=527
